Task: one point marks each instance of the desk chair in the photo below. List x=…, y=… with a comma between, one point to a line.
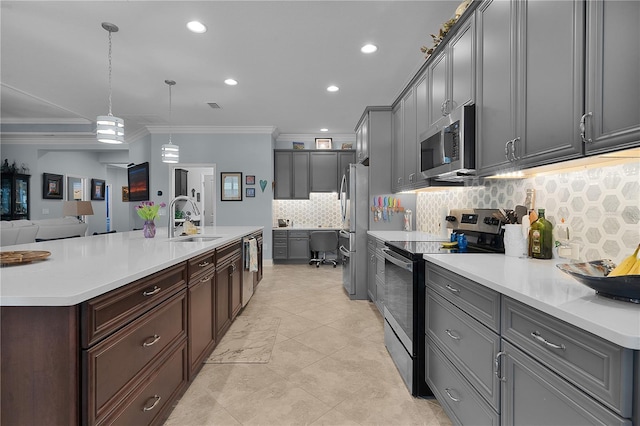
x=322, y=242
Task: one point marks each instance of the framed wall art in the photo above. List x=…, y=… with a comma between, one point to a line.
x=52, y=186
x=251, y=192
x=125, y=194
x=323, y=143
x=98, y=187
x=250, y=180
x=230, y=186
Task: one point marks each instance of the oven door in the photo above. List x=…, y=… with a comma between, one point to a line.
x=399, y=287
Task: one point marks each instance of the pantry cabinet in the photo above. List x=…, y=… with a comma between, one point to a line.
x=612, y=98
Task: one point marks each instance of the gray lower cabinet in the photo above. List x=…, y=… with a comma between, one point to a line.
x=375, y=272
x=298, y=245
x=533, y=395
x=612, y=98
x=491, y=359
x=280, y=245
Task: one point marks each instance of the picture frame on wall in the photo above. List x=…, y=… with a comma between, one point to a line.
x=250, y=180
x=98, y=187
x=52, y=186
x=324, y=143
x=230, y=186
x=251, y=192
x=125, y=194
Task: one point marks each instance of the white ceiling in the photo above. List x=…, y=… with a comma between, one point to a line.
x=284, y=54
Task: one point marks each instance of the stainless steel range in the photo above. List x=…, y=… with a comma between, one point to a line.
x=404, y=310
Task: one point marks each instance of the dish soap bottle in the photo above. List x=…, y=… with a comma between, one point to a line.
x=540, y=237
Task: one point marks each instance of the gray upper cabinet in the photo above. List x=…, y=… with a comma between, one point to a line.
x=528, y=112
x=362, y=141
x=410, y=139
x=422, y=108
x=397, y=148
x=323, y=171
x=291, y=175
x=375, y=126
x=613, y=76
x=344, y=159
x=550, y=97
x=452, y=74
x=496, y=79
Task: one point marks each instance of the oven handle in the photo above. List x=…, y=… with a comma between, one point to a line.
x=344, y=252
x=396, y=261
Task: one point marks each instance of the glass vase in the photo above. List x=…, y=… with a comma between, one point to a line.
x=149, y=229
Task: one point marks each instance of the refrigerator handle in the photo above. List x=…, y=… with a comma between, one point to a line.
x=343, y=198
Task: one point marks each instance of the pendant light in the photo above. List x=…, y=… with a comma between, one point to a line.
x=170, y=152
x=110, y=129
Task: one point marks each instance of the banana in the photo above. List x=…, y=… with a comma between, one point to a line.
x=635, y=269
x=626, y=265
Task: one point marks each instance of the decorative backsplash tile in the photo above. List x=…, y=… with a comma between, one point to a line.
x=321, y=209
x=601, y=206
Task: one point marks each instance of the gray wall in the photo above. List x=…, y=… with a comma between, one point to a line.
x=247, y=153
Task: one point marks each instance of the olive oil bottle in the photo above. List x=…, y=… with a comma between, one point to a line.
x=540, y=237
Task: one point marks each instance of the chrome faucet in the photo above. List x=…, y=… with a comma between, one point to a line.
x=172, y=214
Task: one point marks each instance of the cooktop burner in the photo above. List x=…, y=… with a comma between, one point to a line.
x=418, y=248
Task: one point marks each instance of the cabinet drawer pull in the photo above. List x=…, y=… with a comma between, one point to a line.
x=203, y=264
x=157, y=399
x=497, y=370
x=452, y=335
x=452, y=290
x=153, y=291
x=155, y=338
x=453, y=398
x=536, y=335
x=205, y=279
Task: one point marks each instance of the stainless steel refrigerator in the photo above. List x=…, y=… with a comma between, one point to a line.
x=354, y=196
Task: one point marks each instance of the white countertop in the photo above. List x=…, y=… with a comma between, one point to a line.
x=406, y=236
x=82, y=268
x=541, y=285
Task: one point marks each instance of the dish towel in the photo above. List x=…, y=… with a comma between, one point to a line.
x=253, y=255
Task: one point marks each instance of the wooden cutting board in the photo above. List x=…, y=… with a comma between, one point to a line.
x=24, y=256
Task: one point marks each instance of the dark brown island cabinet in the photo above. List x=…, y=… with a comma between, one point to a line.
x=123, y=357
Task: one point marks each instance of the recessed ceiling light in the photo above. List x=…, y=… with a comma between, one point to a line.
x=197, y=27
x=368, y=48
x=324, y=130
x=230, y=82
x=332, y=88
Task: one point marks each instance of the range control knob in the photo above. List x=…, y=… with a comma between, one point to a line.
x=450, y=218
x=491, y=221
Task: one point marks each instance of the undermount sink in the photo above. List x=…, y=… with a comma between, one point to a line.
x=195, y=239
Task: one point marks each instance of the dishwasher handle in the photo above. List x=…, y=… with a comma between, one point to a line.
x=397, y=260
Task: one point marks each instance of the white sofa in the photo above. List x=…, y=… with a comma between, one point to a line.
x=28, y=231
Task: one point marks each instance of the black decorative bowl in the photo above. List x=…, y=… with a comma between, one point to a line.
x=594, y=275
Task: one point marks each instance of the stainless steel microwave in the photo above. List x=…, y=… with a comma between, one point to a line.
x=448, y=149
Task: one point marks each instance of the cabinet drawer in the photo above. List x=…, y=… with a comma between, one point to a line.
x=152, y=402
x=279, y=234
x=460, y=401
x=534, y=395
x=600, y=368
x=280, y=242
x=280, y=252
x=298, y=234
x=480, y=302
x=104, y=314
x=205, y=262
x=227, y=253
x=118, y=363
x=471, y=347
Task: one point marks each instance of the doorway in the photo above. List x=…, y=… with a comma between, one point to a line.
x=200, y=186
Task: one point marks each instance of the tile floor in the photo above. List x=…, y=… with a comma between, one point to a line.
x=328, y=365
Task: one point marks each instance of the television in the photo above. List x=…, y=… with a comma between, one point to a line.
x=138, y=177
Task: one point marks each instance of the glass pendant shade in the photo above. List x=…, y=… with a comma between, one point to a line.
x=110, y=129
x=170, y=153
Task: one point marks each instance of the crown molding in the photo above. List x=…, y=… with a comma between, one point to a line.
x=311, y=137
x=163, y=129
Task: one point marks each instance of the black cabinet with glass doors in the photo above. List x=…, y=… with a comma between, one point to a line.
x=15, y=196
